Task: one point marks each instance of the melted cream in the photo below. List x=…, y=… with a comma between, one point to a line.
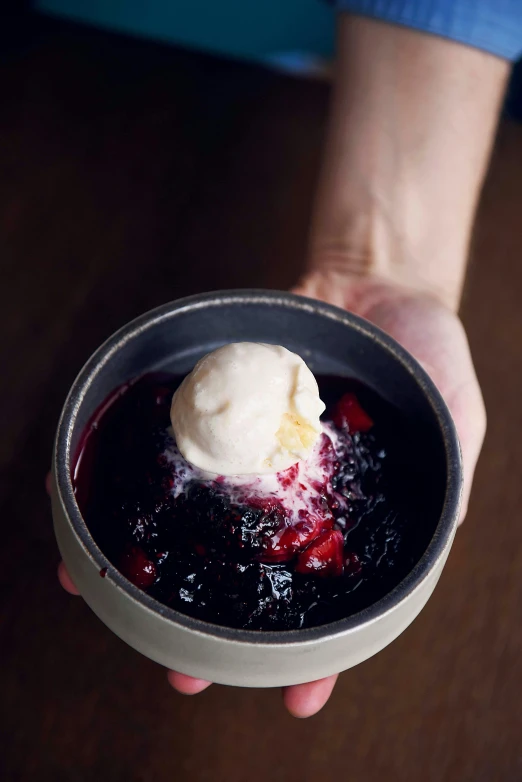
x=299, y=488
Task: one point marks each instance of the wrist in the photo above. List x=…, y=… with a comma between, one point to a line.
x=411, y=126
x=388, y=243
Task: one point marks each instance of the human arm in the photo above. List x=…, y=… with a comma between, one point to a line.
x=347, y=261
x=412, y=122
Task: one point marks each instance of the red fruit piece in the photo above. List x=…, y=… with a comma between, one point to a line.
x=349, y=413
x=283, y=546
x=324, y=556
x=137, y=567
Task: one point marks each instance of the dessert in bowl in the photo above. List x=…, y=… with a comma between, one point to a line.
x=254, y=526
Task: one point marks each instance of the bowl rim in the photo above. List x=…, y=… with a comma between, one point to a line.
x=436, y=550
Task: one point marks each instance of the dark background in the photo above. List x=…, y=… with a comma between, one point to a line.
x=131, y=174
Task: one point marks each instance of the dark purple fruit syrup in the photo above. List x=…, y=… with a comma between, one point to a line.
x=207, y=557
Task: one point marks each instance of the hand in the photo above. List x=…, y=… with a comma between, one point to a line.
x=435, y=336
x=430, y=331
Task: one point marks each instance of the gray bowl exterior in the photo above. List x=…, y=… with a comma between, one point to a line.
x=173, y=337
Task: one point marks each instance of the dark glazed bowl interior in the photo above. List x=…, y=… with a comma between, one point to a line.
x=331, y=341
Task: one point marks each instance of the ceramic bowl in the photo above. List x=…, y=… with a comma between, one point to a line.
x=331, y=341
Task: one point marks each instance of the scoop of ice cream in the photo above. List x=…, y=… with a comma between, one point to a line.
x=247, y=408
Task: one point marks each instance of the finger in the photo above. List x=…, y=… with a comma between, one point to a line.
x=468, y=411
x=187, y=685
x=65, y=580
x=305, y=700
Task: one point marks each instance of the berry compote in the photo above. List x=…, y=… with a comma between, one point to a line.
x=310, y=545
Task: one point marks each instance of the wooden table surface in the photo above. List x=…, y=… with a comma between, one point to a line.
x=131, y=174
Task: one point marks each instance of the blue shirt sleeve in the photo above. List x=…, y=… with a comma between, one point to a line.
x=492, y=25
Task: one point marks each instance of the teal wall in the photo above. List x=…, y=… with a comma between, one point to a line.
x=252, y=29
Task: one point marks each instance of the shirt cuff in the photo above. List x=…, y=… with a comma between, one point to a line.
x=492, y=25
